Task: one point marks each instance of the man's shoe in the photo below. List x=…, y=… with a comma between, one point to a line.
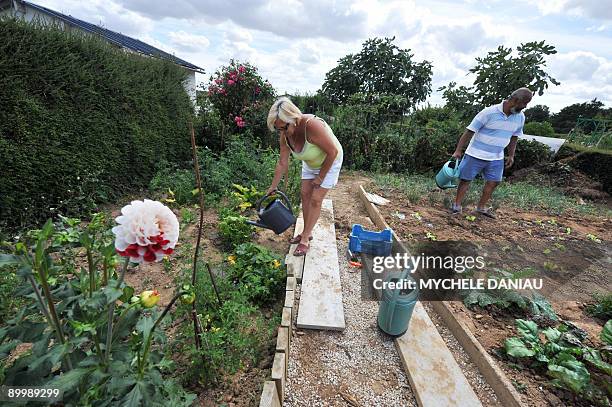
x=455, y=209
x=488, y=212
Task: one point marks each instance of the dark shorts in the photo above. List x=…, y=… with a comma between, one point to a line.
x=472, y=166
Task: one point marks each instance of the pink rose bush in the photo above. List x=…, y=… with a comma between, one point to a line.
x=147, y=231
x=240, y=96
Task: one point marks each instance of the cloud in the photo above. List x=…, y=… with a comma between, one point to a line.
x=596, y=9
x=285, y=18
x=579, y=65
x=464, y=38
x=188, y=42
x=109, y=15
x=599, y=9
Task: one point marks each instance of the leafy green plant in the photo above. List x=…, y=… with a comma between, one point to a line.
x=602, y=308
x=234, y=230
x=563, y=357
x=82, y=341
x=245, y=197
x=257, y=272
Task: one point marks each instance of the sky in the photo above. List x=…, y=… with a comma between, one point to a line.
x=294, y=43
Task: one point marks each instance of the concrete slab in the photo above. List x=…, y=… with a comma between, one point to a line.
x=434, y=374
x=269, y=395
x=320, y=304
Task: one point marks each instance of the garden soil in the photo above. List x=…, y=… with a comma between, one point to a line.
x=571, y=252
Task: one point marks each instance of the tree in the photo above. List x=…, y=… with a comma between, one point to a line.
x=381, y=68
x=538, y=113
x=565, y=120
x=501, y=72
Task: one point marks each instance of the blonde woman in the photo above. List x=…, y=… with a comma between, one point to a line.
x=309, y=139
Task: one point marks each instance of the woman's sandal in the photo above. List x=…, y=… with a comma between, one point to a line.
x=297, y=239
x=301, y=250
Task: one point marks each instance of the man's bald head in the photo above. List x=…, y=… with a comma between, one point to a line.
x=519, y=99
x=522, y=94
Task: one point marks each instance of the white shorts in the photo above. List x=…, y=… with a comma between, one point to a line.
x=331, y=179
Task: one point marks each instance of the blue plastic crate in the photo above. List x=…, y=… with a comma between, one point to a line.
x=369, y=242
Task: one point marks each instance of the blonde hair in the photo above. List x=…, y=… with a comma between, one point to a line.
x=283, y=109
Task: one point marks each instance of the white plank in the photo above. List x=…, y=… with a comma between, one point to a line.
x=321, y=297
x=376, y=199
x=434, y=374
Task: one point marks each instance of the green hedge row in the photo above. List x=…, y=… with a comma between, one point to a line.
x=81, y=121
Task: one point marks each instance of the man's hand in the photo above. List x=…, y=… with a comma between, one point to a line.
x=271, y=190
x=457, y=154
x=316, y=183
x=509, y=162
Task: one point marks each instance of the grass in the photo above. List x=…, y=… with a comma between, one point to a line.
x=519, y=194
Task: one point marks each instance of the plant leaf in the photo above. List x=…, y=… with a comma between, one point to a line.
x=552, y=334
x=570, y=372
x=517, y=348
x=606, y=333
x=528, y=330
x=69, y=380
x=9, y=260
x=541, y=306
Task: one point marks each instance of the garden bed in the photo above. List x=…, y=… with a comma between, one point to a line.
x=568, y=245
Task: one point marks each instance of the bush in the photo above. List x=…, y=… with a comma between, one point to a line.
x=419, y=143
x=181, y=182
x=234, y=230
x=544, y=129
x=257, y=272
x=81, y=121
x=241, y=98
x=530, y=152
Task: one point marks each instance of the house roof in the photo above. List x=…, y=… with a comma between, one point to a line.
x=116, y=38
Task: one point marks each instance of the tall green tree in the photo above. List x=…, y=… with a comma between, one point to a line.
x=500, y=72
x=565, y=120
x=537, y=113
x=381, y=68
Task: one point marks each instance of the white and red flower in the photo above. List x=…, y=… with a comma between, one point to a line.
x=147, y=231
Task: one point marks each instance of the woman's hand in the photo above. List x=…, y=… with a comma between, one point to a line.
x=316, y=183
x=271, y=190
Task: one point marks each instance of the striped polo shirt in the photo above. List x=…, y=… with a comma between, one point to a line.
x=492, y=132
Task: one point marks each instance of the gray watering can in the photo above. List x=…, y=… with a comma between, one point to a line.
x=276, y=216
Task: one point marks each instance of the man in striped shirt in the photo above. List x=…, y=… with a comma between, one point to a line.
x=493, y=129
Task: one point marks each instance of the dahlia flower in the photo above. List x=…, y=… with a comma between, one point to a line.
x=147, y=231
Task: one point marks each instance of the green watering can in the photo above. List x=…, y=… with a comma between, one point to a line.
x=396, y=306
x=448, y=175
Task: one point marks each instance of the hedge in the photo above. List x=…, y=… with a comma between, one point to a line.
x=81, y=121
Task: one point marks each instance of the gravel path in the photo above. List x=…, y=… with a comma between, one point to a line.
x=358, y=366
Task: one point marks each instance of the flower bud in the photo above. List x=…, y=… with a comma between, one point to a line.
x=149, y=298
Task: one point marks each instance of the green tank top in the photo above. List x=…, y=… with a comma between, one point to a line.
x=312, y=154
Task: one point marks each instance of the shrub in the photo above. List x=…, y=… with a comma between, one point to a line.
x=241, y=97
x=234, y=230
x=530, y=152
x=257, y=272
x=181, y=182
x=543, y=129
x=88, y=123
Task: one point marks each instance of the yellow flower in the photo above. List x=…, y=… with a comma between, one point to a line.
x=276, y=264
x=231, y=259
x=215, y=329
x=149, y=298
